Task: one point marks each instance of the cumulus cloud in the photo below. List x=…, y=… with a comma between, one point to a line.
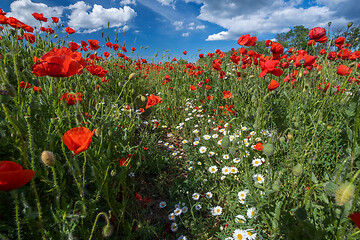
x=263, y=16
x=23, y=10
x=128, y=2
x=187, y=34
x=178, y=25
x=167, y=2
x=85, y=18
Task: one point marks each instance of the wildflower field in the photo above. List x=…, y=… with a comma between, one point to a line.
x=239, y=145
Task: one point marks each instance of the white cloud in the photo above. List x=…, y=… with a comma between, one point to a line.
x=200, y=27
x=128, y=2
x=23, y=10
x=85, y=18
x=178, y=25
x=167, y=2
x=187, y=34
x=263, y=16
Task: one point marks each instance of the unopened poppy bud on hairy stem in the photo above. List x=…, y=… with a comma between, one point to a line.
x=48, y=158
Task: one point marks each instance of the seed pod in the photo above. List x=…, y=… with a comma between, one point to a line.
x=297, y=170
x=344, y=193
x=282, y=139
x=48, y=158
x=132, y=75
x=268, y=149
x=107, y=231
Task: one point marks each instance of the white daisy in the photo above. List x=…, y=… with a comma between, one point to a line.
x=240, y=218
x=258, y=178
x=202, y=149
x=231, y=138
x=242, y=194
x=251, y=234
x=208, y=195
x=211, y=154
x=240, y=234
x=226, y=156
x=184, y=209
x=191, y=168
x=171, y=216
x=177, y=211
x=196, y=196
x=196, y=143
x=162, y=204
x=225, y=170
x=182, y=237
x=242, y=201
x=216, y=211
x=256, y=162
x=213, y=169
x=219, y=142
x=131, y=174
x=195, y=131
x=184, y=141
x=215, y=136
x=243, y=128
x=236, y=160
x=198, y=206
x=234, y=170
x=177, y=206
x=222, y=178
x=251, y=212
x=257, y=139
x=174, y=227
x=206, y=137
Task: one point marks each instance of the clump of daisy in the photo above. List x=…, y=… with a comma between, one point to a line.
x=216, y=211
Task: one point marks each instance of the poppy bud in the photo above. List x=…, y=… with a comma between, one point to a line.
x=330, y=188
x=97, y=132
x=289, y=136
x=282, y=139
x=350, y=24
x=48, y=158
x=143, y=98
x=297, y=170
x=329, y=24
x=132, y=75
x=268, y=149
x=56, y=36
x=113, y=173
x=344, y=193
x=107, y=231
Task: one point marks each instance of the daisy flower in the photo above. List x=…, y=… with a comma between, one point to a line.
x=251, y=234
x=184, y=209
x=177, y=206
x=240, y=234
x=216, y=211
x=177, y=211
x=171, y=216
x=258, y=178
x=199, y=163
x=196, y=196
x=196, y=143
x=206, y=137
x=184, y=141
x=131, y=174
x=208, y=195
x=198, y=206
x=174, y=227
x=219, y=142
x=240, y=218
x=191, y=168
x=251, y=212
x=162, y=204
x=215, y=136
x=252, y=133
x=243, y=128
x=231, y=138
x=213, y=169
x=211, y=154
x=195, y=131
x=182, y=237
x=257, y=139
x=256, y=162
x=236, y=160
x=222, y=178
x=242, y=194
x=234, y=170
x=202, y=149
x=170, y=135
x=242, y=201
x=226, y=156
x=225, y=170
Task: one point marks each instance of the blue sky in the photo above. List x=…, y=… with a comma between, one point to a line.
x=171, y=26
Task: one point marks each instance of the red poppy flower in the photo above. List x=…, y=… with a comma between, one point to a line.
x=318, y=34
x=247, y=40
x=37, y=89
x=192, y=87
x=13, y=176
x=339, y=42
x=227, y=94
x=259, y=146
x=356, y=218
x=277, y=49
x=106, y=54
x=59, y=63
x=124, y=48
x=94, y=44
x=216, y=64
x=184, y=52
x=29, y=37
x=78, y=139
x=71, y=98
x=96, y=70
x=124, y=162
x=269, y=66
x=40, y=17
x=152, y=101
x=291, y=78
x=25, y=85
x=311, y=43
x=74, y=46
x=69, y=30
x=115, y=47
x=201, y=55
x=322, y=51
x=273, y=85
x=55, y=19
x=343, y=70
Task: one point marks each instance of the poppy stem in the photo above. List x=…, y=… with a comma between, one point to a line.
x=96, y=219
x=57, y=198
x=17, y=213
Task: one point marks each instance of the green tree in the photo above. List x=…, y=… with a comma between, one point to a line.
x=297, y=37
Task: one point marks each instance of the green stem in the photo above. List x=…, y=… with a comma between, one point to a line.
x=57, y=198
x=96, y=219
x=17, y=213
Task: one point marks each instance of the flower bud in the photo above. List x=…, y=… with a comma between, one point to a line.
x=329, y=24
x=143, y=98
x=289, y=136
x=268, y=149
x=97, y=132
x=282, y=139
x=350, y=24
x=330, y=188
x=107, y=231
x=297, y=170
x=344, y=193
x=132, y=75
x=48, y=158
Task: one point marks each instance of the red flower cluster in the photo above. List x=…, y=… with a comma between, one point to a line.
x=61, y=62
